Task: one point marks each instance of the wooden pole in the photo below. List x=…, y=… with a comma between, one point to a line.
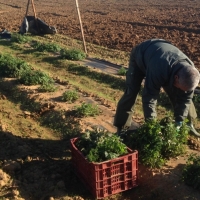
x=34, y=9
x=33, y=6
x=79, y=16
x=27, y=8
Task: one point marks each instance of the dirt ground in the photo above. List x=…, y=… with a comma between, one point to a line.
x=37, y=166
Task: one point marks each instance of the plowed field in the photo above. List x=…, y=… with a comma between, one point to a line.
x=113, y=23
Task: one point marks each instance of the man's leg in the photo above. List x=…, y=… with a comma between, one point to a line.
x=124, y=112
x=192, y=115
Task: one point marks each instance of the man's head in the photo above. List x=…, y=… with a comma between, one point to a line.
x=187, y=78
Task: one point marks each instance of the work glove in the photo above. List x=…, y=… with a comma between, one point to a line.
x=178, y=125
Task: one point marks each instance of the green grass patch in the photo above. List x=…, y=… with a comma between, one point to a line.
x=18, y=38
x=11, y=66
x=74, y=54
x=35, y=77
x=46, y=47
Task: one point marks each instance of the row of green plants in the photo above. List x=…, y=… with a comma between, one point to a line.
x=13, y=67
x=72, y=54
x=72, y=69
x=17, y=68
x=69, y=54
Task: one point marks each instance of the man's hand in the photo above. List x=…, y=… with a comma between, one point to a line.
x=178, y=125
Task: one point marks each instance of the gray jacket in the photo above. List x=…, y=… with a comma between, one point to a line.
x=159, y=60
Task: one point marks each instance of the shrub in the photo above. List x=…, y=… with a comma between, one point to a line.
x=157, y=141
x=34, y=77
x=191, y=172
x=18, y=38
x=87, y=110
x=100, y=146
x=46, y=47
x=11, y=66
x=70, y=96
x=72, y=54
x=173, y=139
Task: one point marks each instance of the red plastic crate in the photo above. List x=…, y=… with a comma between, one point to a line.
x=109, y=177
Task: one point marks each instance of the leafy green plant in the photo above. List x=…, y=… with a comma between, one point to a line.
x=191, y=172
x=148, y=142
x=87, y=109
x=70, y=96
x=18, y=38
x=157, y=141
x=11, y=66
x=174, y=139
x=100, y=146
x=73, y=54
x=34, y=77
x=46, y=47
x=122, y=71
x=196, y=98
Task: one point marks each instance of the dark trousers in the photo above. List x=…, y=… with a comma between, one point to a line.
x=124, y=111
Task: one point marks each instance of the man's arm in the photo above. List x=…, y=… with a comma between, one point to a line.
x=182, y=104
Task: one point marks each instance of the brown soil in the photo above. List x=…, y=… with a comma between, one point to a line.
x=35, y=164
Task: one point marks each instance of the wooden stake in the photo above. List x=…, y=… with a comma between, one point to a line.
x=27, y=8
x=79, y=16
x=34, y=9
x=33, y=6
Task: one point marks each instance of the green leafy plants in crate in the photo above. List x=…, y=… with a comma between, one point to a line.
x=100, y=146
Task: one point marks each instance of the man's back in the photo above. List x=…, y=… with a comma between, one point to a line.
x=158, y=54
